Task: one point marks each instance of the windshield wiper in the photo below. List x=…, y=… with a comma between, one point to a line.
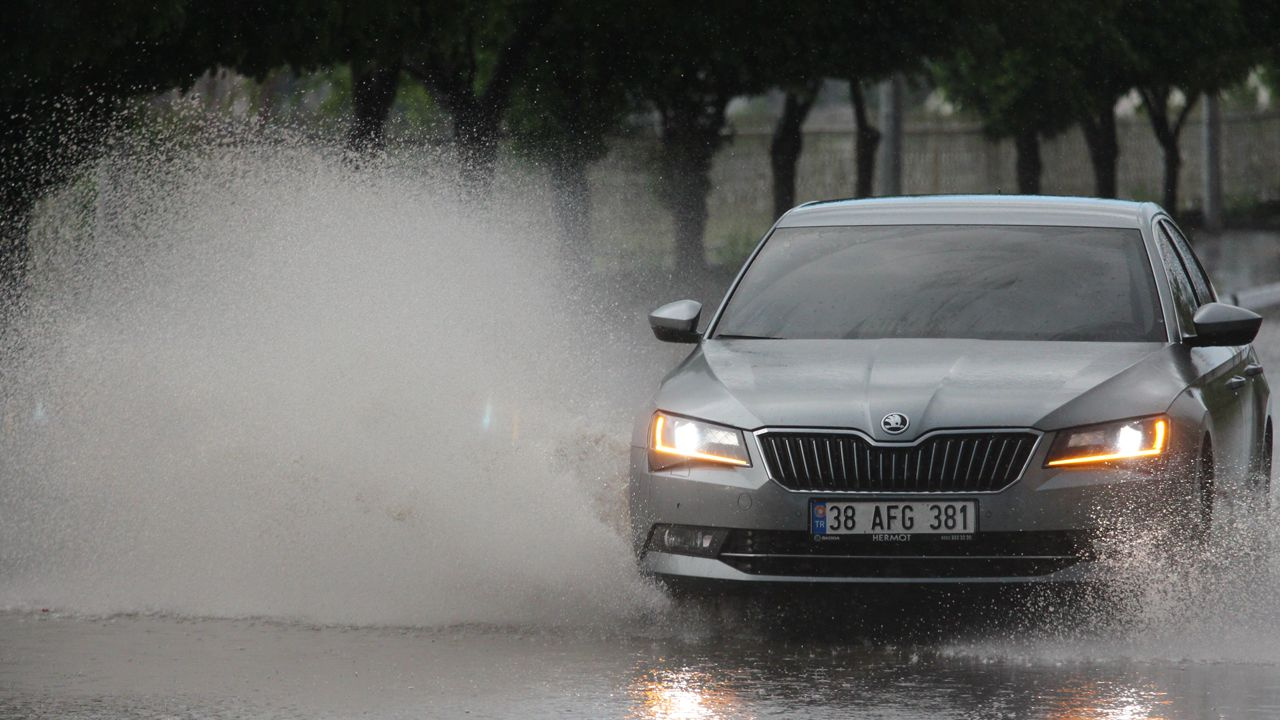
x=726, y=336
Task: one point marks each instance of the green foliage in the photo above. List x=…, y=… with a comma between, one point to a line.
x=65, y=67
x=575, y=91
x=693, y=59
x=58, y=46
x=1036, y=66
x=561, y=75
x=464, y=43
x=416, y=108
x=1003, y=75
x=470, y=57
x=1194, y=45
x=872, y=40
x=699, y=55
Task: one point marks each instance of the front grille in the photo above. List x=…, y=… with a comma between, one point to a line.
x=995, y=554
x=950, y=462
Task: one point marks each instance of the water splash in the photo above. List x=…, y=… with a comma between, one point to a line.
x=253, y=380
x=256, y=381
x=1167, y=600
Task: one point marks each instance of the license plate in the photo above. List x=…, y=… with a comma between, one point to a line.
x=926, y=517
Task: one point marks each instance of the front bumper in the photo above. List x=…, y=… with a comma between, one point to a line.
x=711, y=571
x=1047, y=527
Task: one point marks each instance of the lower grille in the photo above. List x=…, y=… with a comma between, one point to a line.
x=841, y=462
x=1008, y=554
x=908, y=568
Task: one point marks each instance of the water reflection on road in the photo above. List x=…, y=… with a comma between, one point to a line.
x=915, y=684
x=663, y=694
x=684, y=663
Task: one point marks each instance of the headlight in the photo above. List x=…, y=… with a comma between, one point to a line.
x=675, y=440
x=1124, y=440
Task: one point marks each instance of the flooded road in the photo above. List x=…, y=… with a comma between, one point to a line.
x=242, y=457
x=163, y=667
x=1193, y=643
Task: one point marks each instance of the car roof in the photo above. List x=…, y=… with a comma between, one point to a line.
x=973, y=210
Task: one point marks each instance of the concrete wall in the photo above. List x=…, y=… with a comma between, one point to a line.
x=938, y=159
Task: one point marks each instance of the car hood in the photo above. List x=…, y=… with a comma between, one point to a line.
x=942, y=383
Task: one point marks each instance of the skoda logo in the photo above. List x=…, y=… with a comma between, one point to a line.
x=894, y=423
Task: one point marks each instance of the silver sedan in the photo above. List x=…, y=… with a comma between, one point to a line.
x=947, y=389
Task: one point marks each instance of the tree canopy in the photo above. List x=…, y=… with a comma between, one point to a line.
x=555, y=78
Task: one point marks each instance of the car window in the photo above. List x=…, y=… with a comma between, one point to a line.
x=1184, y=297
x=948, y=281
x=1199, y=278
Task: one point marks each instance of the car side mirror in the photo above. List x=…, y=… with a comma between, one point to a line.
x=1219, y=325
x=677, y=322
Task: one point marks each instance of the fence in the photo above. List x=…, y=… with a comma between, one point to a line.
x=937, y=159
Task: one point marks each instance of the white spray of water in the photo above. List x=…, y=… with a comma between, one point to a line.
x=1211, y=603
x=253, y=381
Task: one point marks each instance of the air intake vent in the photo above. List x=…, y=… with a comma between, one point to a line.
x=949, y=462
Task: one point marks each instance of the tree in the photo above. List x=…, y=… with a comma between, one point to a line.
x=373, y=90
x=868, y=42
x=256, y=39
x=695, y=58
x=799, y=47
x=1263, y=32
x=863, y=42
x=1101, y=72
x=1006, y=73
x=788, y=142
x=471, y=57
x=573, y=95
x=794, y=59
x=866, y=140
x=1030, y=70
x=1189, y=46
x=371, y=37
x=66, y=67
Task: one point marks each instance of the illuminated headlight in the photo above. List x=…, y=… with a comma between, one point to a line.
x=677, y=440
x=1125, y=440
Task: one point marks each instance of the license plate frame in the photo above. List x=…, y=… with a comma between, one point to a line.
x=886, y=517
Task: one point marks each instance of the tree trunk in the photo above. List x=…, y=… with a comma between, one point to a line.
x=274, y=87
x=690, y=138
x=788, y=141
x=1104, y=149
x=1029, y=165
x=866, y=142
x=477, y=114
x=476, y=127
x=690, y=218
x=571, y=205
x=373, y=90
x=1168, y=133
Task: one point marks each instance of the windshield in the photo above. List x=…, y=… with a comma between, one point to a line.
x=948, y=281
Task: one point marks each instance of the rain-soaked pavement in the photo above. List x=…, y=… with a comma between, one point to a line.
x=164, y=667
x=1199, y=642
